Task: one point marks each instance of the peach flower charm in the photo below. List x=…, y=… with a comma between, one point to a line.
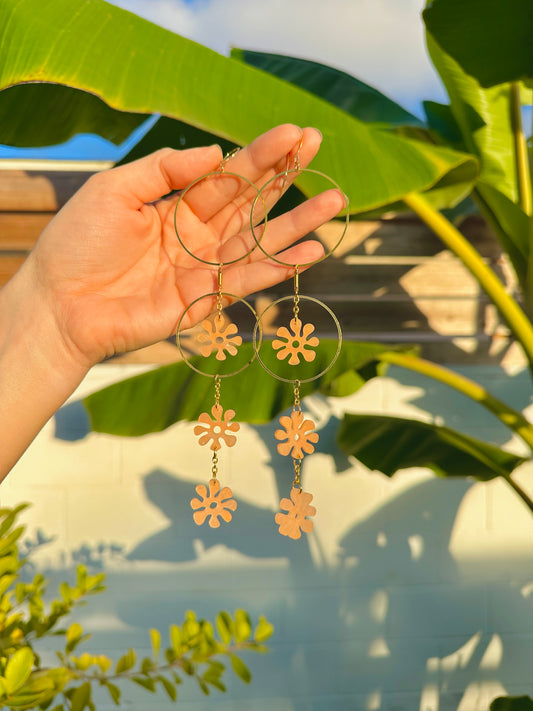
x=293, y=522
x=297, y=343
x=220, y=336
x=217, y=503
x=217, y=428
x=298, y=434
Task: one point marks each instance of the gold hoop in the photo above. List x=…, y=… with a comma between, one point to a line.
x=219, y=174
x=297, y=171
x=234, y=299
x=257, y=344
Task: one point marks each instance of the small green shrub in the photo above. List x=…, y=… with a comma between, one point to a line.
x=194, y=649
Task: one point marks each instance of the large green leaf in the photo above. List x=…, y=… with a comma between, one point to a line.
x=168, y=132
x=440, y=120
x=138, y=67
x=155, y=400
x=61, y=113
x=507, y=218
x=510, y=224
x=343, y=90
x=491, y=39
x=389, y=444
x=361, y=101
x=483, y=118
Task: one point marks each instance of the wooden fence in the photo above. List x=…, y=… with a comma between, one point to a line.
x=390, y=281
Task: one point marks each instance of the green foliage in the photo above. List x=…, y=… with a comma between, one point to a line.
x=175, y=393
x=390, y=444
x=69, y=111
x=512, y=703
x=348, y=93
x=383, y=158
x=25, y=683
x=491, y=39
x=56, y=44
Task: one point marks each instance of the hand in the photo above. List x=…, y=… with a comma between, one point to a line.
x=108, y=274
x=110, y=268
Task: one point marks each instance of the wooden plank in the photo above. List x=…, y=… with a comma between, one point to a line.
x=38, y=191
x=404, y=236
x=417, y=276
x=20, y=230
x=460, y=317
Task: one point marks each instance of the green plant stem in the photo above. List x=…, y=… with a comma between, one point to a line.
x=525, y=195
x=523, y=174
x=511, y=418
x=528, y=290
x=521, y=493
x=515, y=318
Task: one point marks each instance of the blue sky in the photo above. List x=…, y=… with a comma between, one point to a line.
x=379, y=41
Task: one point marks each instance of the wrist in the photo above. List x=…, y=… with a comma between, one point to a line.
x=29, y=327
x=38, y=371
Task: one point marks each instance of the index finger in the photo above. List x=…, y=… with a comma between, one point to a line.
x=253, y=162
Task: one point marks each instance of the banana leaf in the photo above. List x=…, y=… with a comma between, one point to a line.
x=339, y=88
x=482, y=117
x=137, y=67
x=155, y=400
x=490, y=39
x=389, y=444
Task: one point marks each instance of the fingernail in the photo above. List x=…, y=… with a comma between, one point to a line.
x=319, y=133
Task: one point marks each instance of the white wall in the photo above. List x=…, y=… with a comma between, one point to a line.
x=412, y=593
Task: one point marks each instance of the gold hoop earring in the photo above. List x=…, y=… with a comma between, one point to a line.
x=296, y=344
x=217, y=340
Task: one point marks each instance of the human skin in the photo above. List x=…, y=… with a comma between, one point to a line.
x=108, y=275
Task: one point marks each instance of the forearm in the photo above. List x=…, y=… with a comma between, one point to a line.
x=37, y=371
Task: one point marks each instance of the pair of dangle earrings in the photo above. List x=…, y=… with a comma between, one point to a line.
x=291, y=357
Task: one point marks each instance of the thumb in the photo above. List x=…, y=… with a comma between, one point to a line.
x=159, y=173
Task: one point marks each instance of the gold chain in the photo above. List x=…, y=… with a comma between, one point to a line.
x=296, y=387
x=217, y=389
x=214, y=468
x=219, y=293
x=297, y=484
x=296, y=305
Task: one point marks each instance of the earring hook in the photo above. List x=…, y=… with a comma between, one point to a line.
x=227, y=157
x=296, y=159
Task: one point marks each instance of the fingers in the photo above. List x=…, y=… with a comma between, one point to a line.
x=286, y=229
x=150, y=178
x=240, y=279
x=258, y=162
x=227, y=217
x=260, y=275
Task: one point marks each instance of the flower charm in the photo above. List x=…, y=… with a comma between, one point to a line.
x=298, y=434
x=294, y=521
x=296, y=345
x=217, y=428
x=219, y=336
x=218, y=502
